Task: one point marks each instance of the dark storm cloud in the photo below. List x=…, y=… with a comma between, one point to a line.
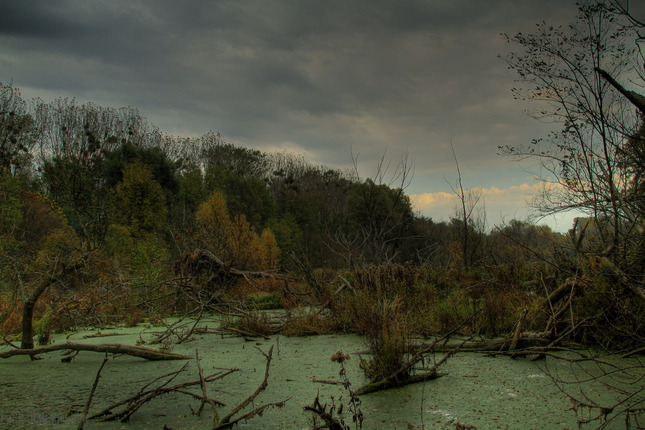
x=320, y=77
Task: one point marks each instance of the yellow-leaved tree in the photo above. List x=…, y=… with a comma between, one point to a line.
x=234, y=240
x=270, y=250
x=213, y=225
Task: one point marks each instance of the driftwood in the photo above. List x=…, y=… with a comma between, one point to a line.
x=99, y=334
x=204, y=261
x=518, y=329
x=517, y=346
x=112, y=348
x=205, y=398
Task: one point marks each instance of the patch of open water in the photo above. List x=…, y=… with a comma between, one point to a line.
x=480, y=391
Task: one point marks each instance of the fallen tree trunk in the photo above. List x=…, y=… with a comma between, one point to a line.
x=503, y=345
x=112, y=348
x=389, y=383
x=203, y=260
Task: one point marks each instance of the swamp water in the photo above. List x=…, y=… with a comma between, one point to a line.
x=479, y=391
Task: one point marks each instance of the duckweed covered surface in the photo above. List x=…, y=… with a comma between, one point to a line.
x=480, y=391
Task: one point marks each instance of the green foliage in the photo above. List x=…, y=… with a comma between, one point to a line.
x=452, y=310
x=288, y=236
x=148, y=259
x=74, y=140
x=61, y=245
x=190, y=195
x=612, y=314
x=143, y=258
x=248, y=196
x=156, y=161
x=107, y=174
x=264, y=300
x=139, y=201
x=72, y=181
x=40, y=217
x=380, y=217
x=43, y=327
x=237, y=160
x=118, y=241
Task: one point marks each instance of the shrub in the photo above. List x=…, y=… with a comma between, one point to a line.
x=449, y=313
x=312, y=322
x=252, y=324
x=264, y=300
x=386, y=331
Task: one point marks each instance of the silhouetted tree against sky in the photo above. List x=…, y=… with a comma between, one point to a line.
x=18, y=136
x=581, y=163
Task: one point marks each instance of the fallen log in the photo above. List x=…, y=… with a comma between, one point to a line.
x=503, y=345
x=112, y=348
x=389, y=383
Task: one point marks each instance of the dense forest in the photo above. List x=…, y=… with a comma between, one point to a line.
x=101, y=188
x=105, y=219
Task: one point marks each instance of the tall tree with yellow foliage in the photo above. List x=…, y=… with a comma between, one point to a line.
x=233, y=239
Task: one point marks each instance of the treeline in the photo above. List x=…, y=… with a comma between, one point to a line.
x=115, y=180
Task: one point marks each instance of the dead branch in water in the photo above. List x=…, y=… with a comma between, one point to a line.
x=112, y=348
x=145, y=395
x=81, y=424
x=228, y=421
x=124, y=409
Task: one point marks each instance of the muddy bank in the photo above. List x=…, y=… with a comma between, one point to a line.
x=485, y=392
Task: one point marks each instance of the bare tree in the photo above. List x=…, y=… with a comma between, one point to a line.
x=583, y=163
x=17, y=132
x=379, y=213
x=473, y=221
x=594, y=165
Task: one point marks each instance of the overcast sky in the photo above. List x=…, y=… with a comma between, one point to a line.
x=321, y=78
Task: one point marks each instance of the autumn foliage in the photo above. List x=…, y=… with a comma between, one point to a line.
x=234, y=239
x=102, y=190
